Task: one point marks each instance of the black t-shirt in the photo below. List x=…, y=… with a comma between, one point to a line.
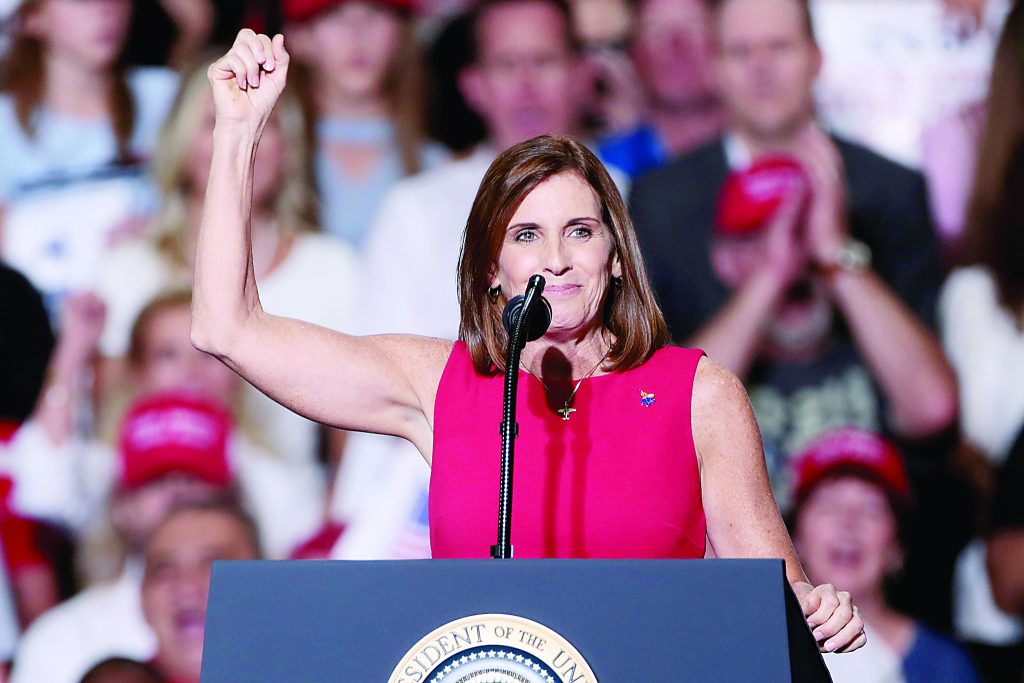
x=796, y=402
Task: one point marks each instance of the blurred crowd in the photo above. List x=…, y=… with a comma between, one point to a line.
x=883, y=353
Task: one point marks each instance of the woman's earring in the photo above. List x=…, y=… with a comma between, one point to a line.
x=617, y=282
x=493, y=292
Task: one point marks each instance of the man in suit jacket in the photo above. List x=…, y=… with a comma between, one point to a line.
x=822, y=308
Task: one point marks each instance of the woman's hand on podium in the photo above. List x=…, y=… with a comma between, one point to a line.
x=249, y=79
x=832, y=617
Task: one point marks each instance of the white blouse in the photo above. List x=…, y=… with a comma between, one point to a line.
x=986, y=349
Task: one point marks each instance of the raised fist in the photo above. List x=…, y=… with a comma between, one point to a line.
x=248, y=80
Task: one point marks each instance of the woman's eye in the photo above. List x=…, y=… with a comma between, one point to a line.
x=581, y=231
x=526, y=236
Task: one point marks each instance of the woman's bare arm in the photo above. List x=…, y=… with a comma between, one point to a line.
x=743, y=518
x=382, y=384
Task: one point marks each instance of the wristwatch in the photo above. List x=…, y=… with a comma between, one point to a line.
x=852, y=256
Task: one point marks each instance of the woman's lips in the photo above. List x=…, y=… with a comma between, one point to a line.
x=560, y=290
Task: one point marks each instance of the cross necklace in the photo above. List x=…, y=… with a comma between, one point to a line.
x=565, y=411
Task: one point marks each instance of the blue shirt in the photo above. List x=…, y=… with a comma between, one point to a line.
x=634, y=152
x=934, y=658
x=349, y=203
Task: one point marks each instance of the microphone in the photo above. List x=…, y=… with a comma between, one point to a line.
x=539, y=316
x=522, y=317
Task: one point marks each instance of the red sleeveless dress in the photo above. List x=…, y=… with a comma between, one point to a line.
x=617, y=480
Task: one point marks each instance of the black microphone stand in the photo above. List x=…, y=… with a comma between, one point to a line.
x=509, y=428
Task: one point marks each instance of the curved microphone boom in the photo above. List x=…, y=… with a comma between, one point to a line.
x=525, y=318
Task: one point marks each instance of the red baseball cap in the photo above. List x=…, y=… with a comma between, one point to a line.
x=855, y=451
x=174, y=433
x=295, y=11
x=751, y=196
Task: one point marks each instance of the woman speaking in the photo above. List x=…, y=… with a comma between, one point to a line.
x=628, y=447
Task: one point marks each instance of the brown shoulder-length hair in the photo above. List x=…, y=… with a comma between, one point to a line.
x=23, y=76
x=631, y=313
x=994, y=234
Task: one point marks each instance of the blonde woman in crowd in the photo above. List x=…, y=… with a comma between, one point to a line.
x=75, y=125
x=301, y=273
x=370, y=130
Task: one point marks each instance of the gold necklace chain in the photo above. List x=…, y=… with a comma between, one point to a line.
x=565, y=411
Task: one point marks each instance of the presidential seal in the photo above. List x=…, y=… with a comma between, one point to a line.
x=493, y=648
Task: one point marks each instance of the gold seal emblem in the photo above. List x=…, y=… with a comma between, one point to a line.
x=493, y=648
